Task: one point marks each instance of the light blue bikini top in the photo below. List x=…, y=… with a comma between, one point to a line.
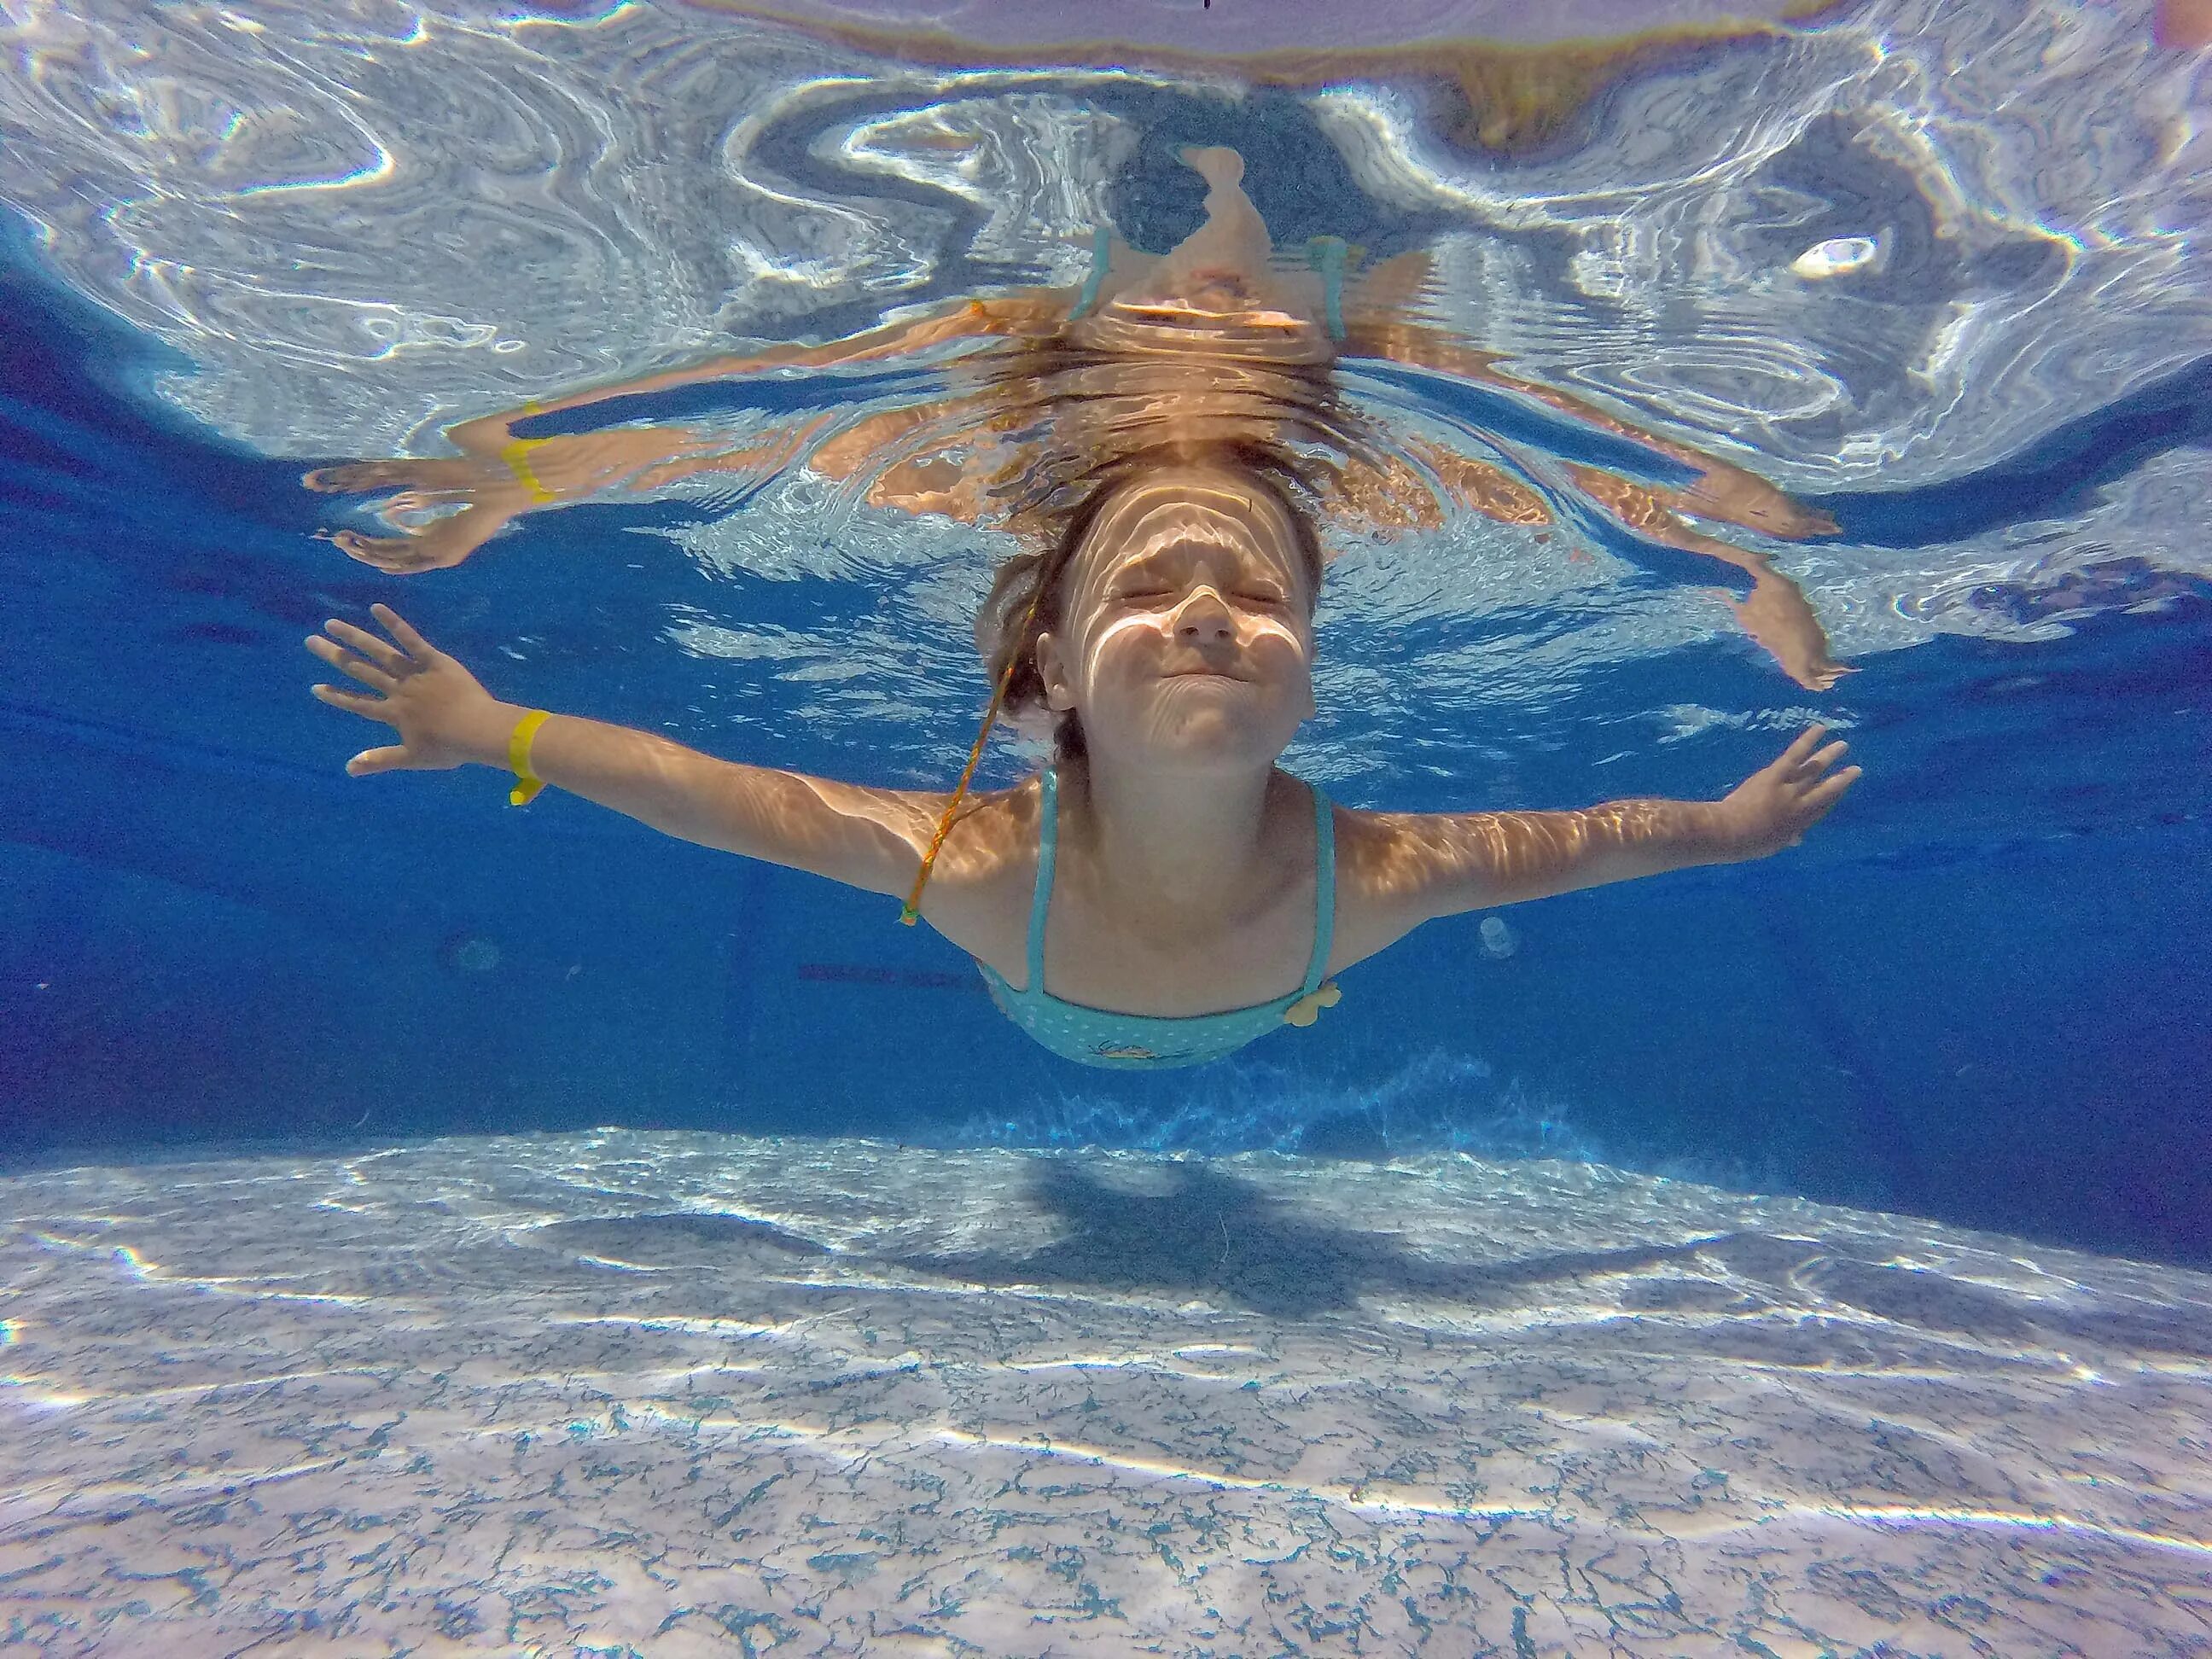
x=1097, y=1037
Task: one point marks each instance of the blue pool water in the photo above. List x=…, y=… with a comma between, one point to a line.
x=243, y=245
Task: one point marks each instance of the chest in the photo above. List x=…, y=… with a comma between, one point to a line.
x=1100, y=957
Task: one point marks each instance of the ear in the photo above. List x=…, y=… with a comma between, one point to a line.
x=1052, y=669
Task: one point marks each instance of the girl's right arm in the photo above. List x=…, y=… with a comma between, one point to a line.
x=867, y=838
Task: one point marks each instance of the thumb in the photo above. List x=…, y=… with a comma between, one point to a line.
x=377, y=760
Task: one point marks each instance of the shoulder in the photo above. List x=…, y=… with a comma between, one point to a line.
x=1384, y=888
x=978, y=895
x=1369, y=845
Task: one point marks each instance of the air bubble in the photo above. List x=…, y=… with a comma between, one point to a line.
x=1499, y=941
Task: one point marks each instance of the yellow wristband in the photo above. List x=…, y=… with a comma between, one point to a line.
x=527, y=782
x=517, y=457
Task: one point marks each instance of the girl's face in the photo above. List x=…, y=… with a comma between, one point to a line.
x=1187, y=637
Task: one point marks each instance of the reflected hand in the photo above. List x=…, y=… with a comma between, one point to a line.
x=486, y=491
x=1774, y=807
x=445, y=718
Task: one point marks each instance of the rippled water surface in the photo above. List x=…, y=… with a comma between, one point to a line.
x=1871, y=261
x=1660, y=378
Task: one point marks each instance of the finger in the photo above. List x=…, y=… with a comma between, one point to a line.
x=349, y=664
x=359, y=477
x=377, y=760
x=353, y=702
x=395, y=555
x=1802, y=744
x=1812, y=765
x=385, y=654
x=1827, y=792
x=400, y=629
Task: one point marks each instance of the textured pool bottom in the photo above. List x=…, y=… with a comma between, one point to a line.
x=675, y=1393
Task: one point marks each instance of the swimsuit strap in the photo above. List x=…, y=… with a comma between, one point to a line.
x=1328, y=255
x=1324, y=881
x=1101, y=254
x=1041, y=896
x=1324, y=889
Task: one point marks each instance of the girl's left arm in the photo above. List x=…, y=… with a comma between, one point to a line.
x=1421, y=866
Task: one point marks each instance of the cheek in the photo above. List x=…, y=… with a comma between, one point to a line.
x=1126, y=639
x=1130, y=646
x=1283, y=647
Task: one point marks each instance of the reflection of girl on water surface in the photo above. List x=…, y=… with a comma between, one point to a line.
x=1162, y=893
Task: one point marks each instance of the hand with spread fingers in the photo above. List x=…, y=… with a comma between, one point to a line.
x=444, y=717
x=1774, y=807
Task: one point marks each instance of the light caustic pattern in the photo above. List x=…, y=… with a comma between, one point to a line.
x=631, y=1392
x=1883, y=251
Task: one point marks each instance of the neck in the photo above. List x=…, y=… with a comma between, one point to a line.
x=1178, y=848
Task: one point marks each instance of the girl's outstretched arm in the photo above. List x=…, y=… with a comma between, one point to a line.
x=864, y=837
x=1421, y=866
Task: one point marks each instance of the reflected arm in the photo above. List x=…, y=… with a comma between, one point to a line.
x=1777, y=614
x=1720, y=491
x=499, y=477
x=1021, y=313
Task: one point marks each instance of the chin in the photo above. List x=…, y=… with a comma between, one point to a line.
x=1209, y=741
x=1196, y=723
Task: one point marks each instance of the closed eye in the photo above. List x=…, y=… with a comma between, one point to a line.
x=1147, y=595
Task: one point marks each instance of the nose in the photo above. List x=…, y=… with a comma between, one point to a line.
x=1205, y=618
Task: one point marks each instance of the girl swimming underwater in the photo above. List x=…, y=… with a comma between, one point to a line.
x=1164, y=892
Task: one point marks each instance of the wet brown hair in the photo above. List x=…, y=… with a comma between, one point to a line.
x=1028, y=592
x=1053, y=496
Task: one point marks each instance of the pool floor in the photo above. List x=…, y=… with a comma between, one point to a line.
x=656, y=1392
